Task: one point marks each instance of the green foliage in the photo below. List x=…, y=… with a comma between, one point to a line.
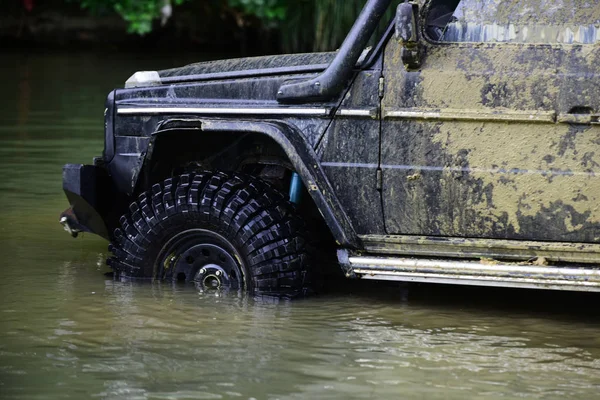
x=268, y=11
x=305, y=25
x=139, y=14
x=326, y=23
x=302, y=25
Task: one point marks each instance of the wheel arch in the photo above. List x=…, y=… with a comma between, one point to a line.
x=295, y=152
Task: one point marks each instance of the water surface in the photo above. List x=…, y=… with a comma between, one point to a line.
x=70, y=332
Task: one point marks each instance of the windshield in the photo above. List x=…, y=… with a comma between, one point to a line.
x=529, y=21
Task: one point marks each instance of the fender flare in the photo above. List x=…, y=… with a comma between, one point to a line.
x=302, y=157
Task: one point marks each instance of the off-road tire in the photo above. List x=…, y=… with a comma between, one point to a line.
x=262, y=226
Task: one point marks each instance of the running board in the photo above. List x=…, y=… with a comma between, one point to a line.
x=460, y=272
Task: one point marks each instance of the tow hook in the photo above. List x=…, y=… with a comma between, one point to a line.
x=65, y=223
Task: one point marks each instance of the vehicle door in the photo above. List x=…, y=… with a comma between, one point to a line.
x=496, y=134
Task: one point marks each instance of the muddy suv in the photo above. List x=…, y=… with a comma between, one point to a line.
x=464, y=147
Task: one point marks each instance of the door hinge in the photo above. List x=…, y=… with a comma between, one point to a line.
x=381, y=86
x=379, y=184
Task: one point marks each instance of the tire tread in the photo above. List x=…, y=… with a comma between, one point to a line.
x=257, y=219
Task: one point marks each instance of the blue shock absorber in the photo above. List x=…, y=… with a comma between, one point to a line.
x=295, y=188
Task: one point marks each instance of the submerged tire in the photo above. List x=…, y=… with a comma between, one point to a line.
x=217, y=229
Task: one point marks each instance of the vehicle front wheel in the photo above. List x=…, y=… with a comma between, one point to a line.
x=219, y=230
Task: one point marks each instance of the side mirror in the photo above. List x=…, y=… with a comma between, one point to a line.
x=407, y=33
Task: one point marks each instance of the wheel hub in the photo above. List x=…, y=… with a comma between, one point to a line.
x=213, y=276
x=204, y=258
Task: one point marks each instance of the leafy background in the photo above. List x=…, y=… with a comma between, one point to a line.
x=300, y=25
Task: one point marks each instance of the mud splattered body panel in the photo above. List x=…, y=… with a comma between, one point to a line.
x=349, y=153
x=493, y=140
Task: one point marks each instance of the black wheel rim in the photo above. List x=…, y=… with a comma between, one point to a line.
x=203, y=257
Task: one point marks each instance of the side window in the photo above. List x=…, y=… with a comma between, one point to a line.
x=512, y=21
x=439, y=15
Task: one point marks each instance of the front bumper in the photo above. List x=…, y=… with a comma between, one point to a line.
x=93, y=199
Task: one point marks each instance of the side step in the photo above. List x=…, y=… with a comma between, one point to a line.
x=460, y=272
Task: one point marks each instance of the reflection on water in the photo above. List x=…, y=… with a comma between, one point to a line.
x=68, y=331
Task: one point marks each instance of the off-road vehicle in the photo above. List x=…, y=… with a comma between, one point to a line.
x=463, y=147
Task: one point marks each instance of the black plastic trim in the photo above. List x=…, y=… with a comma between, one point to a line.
x=109, y=119
x=91, y=195
x=302, y=157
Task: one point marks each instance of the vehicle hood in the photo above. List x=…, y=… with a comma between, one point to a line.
x=250, y=63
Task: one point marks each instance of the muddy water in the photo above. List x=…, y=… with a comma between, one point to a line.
x=67, y=331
